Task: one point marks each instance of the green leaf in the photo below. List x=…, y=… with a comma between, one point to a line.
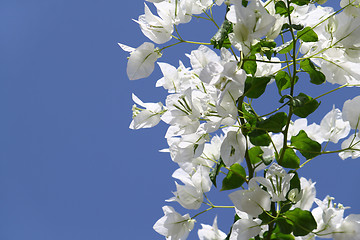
x=249, y=114
x=255, y=86
x=245, y=3
x=295, y=181
x=283, y=81
x=307, y=147
x=282, y=236
x=303, y=221
x=301, y=2
x=316, y=77
x=255, y=154
x=259, y=138
x=265, y=218
x=221, y=39
x=215, y=172
x=274, y=123
x=286, y=48
x=264, y=47
x=290, y=160
x=307, y=35
x=281, y=8
x=250, y=66
x=284, y=226
x=304, y=105
x=235, y=177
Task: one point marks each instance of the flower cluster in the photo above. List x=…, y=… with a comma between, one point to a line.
x=214, y=128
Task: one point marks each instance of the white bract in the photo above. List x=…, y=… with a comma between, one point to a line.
x=214, y=128
x=174, y=226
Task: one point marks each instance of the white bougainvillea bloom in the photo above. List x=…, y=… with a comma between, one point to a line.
x=245, y=229
x=141, y=61
x=328, y=216
x=277, y=182
x=349, y=228
x=148, y=117
x=211, y=232
x=308, y=194
x=333, y=127
x=155, y=28
x=250, y=23
x=352, y=142
x=252, y=201
x=174, y=226
x=351, y=112
x=233, y=148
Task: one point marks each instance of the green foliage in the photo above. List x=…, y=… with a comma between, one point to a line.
x=290, y=159
x=281, y=8
x=301, y=2
x=264, y=47
x=235, y=177
x=302, y=221
x=307, y=35
x=274, y=123
x=255, y=86
x=316, y=77
x=221, y=38
x=250, y=66
x=259, y=138
x=304, y=105
x=307, y=147
x=287, y=48
x=215, y=172
x=283, y=81
x=255, y=154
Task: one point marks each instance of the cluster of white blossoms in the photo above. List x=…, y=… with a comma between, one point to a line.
x=214, y=128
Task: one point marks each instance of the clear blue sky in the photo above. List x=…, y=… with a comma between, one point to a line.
x=70, y=168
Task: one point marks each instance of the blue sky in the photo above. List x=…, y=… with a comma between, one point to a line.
x=69, y=166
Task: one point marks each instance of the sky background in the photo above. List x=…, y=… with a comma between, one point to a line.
x=70, y=168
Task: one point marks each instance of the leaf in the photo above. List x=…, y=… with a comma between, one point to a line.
x=282, y=236
x=281, y=8
x=304, y=105
x=307, y=147
x=255, y=86
x=250, y=66
x=284, y=226
x=287, y=47
x=290, y=159
x=316, y=77
x=274, y=123
x=307, y=35
x=301, y=2
x=295, y=181
x=255, y=154
x=215, y=172
x=259, y=138
x=235, y=177
x=303, y=221
x=264, y=47
x=283, y=81
x=221, y=39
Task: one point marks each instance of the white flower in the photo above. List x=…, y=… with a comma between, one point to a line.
x=156, y=29
x=349, y=228
x=211, y=232
x=252, y=201
x=333, y=127
x=174, y=226
x=351, y=112
x=145, y=118
x=244, y=229
x=233, y=148
x=250, y=23
x=277, y=182
x=354, y=142
x=141, y=61
x=308, y=194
